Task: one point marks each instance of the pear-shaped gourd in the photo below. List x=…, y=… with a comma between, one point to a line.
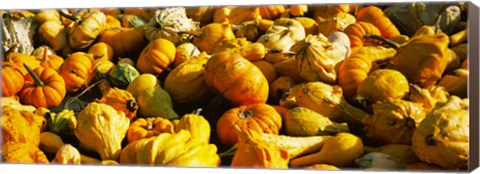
x=301, y=121
x=155, y=102
x=142, y=82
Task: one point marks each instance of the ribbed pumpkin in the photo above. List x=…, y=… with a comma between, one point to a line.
x=83, y=32
x=210, y=35
x=156, y=57
x=77, y=70
x=261, y=118
x=50, y=60
x=143, y=128
x=43, y=87
x=356, y=31
x=121, y=100
x=236, y=79
x=377, y=17
x=12, y=79
x=124, y=41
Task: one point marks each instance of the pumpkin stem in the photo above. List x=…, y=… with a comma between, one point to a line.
x=71, y=17
x=197, y=112
x=244, y=114
x=229, y=152
x=389, y=42
x=45, y=54
x=132, y=105
x=12, y=49
x=36, y=79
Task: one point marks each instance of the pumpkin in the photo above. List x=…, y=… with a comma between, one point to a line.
x=101, y=50
x=50, y=60
x=261, y=117
x=168, y=23
x=143, y=128
x=21, y=126
x=112, y=22
x=377, y=17
x=186, y=82
x=124, y=41
x=156, y=57
x=356, y=31
x=280, y=86
x=230, y=75
x=83, y=32
x=382, y=84
x=267, y=69
x=122, y=74
x=354, y=69
x=196, y=124
x=339, y=22
x=20, y=58
x=442, y=138
x=251, y=51
x=43, y=87
x=297, y=9
x=325, y=11
x=120, y=100
x=271, y=12
x=211, y=35
x=317, y=56
x=254, y=153
x=12, y=79
x=101, y=128
x=77, y=71
x=23, y=153
x=394, y=121
x=45, y=15
x=54, y=34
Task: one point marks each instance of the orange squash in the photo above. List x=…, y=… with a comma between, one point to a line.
x=121, y=100
x=156, y=57
x=12, y=79
x=236, y=79
x=377, y=17
x=261, y=118
x=124, y=41
x=148, y=127
x=43, y=87
x=356, y=31
x=76, y=71
x=352, y=72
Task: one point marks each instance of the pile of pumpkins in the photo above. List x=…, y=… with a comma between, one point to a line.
x=324, y=87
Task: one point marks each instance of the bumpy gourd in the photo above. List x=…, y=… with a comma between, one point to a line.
x=21, y=126
x=168, y=23
x=102, y=128
x=196, y=124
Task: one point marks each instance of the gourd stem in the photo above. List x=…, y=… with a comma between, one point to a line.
x=45, y=56
x=229, y=152
x=36, y=79
x=11, y=49
x=197, y=112
x=71, y=17
x=383, y=39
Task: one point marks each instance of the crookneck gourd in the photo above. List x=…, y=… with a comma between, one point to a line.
x=101, y=128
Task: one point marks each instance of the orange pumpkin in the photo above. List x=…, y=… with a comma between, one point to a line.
x=148, y=127
x=124, y=41
x=43, y=87
x=76, y=70
x=20, y=58
x=121, y=100
x=210, y=36
x=112, y=22
x=12, y=79
x=267, y=70
x=352, y=72
x=356, y=31
x=377, y=17
x=236, y=79
x=50, y=60
x=271, y=12
x=156, y=57
x=261, y=118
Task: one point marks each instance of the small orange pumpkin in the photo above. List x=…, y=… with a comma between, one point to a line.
x=124, y=41
x=12, y=79
x=377, y=17
x=356, y=31
x=50, y=60
x=101, y=50
x=76, y=70
x=261, y=118
x=20, y=58
x=121, y=100
x=43, y=87
x=148, y=127
x=156, y=57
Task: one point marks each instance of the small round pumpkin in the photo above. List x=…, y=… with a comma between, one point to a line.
x=50, y=60
x=211, y=35
x=261, y=118
x=124, y=41
x=236, y=79
x=143, y=128
x=356, y=31
x=43, y=87
x=121, y=100
x=83, y=32
x=76, y=70
x=382, y=84
x=12, y=79
x=156, y=57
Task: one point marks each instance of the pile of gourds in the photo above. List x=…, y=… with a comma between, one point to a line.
x=325, y=87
